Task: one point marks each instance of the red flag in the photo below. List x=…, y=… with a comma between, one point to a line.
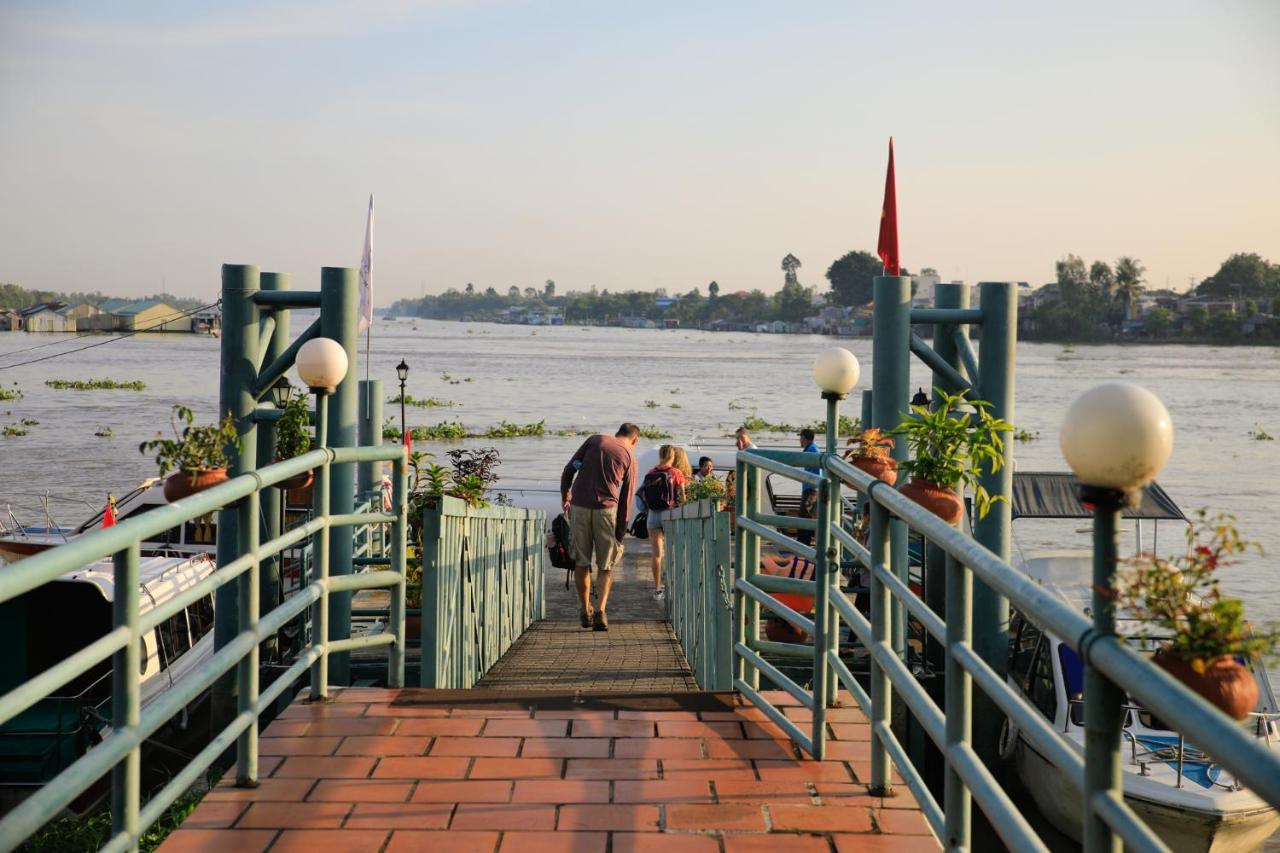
x=408, y=442
x=109, y=513
x=887, y=247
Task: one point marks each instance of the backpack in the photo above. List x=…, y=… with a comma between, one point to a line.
x=558, y=546
x=658, y=491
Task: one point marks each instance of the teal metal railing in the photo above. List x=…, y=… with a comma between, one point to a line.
x=968, y=778
x=119, y=753
x=482, y=586
x=697, y=568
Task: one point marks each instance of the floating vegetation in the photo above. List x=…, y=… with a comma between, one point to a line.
x=740, y=404
x=675, y=406
x=29, y=422
x=1025, y=435
x=13, y=431
x=428, y=403
x=847, y=426
x=653, y=432
x=570, y=432
x=673, y=391
x=651, y=404
x=506, y=429
x=13, y=393
x=104, y=432
x=96, y=384
x=1261, y=434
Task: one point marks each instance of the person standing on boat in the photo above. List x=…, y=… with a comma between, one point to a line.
x=595, y=490
x=808, y=494
x=742, y=439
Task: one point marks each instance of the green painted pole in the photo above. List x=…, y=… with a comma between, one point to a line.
x=126, y=699
x=751, y=563
x=739, y=668
x=834, y=515
x=868, y=419
x=399, y=531
x=247, y=666
x=881, y=631
x=339, y=309
x=996, y=360
x=369, y=474
x=1103, y=700
x=822, y=610
x=891, y=387
x=959, y=698
x=320, y=543
x=272, y=500
x=239, y=361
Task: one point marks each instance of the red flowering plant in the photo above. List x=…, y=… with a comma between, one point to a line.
x=1180, y=596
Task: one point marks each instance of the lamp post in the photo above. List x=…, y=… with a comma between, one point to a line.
x=835, y=371
x=322, y=365
x=402, y=371
x=1116, y=438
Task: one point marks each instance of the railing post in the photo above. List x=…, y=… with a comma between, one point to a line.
x=126, y=700
x=400, y=505
x=1103, y=701
x=271, y=501
x=822, y=616
x=881, y=631
x=431, y=670
x=738, y=670
x=996, y=356
x=339, y=308
x=239, y=360
x=751, y=564
x=891, y=384
x=247, y=667
x=320, y=558
x=834, y=515
x=959, y=696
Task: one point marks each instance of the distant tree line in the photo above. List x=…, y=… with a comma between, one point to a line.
x=13, y=296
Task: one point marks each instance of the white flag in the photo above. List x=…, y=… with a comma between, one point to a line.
x=366, y=274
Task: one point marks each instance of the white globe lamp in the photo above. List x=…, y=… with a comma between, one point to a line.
x=322, y=364
x=1117, y=436
x=836, y=371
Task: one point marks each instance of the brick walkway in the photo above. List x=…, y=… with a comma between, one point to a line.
x=639, y=653
x=367, y=773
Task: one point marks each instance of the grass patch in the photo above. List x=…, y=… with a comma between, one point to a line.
x=428, y=403
x=14, y=393
x=96, y=385
x=91, y=833
x=506, y=429
x=653, y=432
x=13, y=431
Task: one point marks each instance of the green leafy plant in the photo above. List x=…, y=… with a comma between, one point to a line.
x=1025, y=436
x=506, y=429
x=950, y=446
x=1260, y=434
x=104, y=432
x=428, y=403
x=293, y=429
x=194, y=448
x=870, y=443
x=13, y=431
x=652, y=432
x=13, y=393
x=96, y=384
x=1180, y=596
x=651, y=404
x=705, y=487
x=29, y=422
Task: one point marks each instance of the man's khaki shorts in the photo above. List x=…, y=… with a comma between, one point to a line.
x=592, y=531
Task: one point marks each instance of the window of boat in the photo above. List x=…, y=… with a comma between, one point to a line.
x=1073, y=680
x=1025, y=638
x=1040, y=687
x=200, y=615
x=175, y=639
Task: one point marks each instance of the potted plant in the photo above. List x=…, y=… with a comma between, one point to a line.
x=1203, y=635
x=199, y=454
x=949, y=448
x=868, y=450
x=293, y=438
x=711, y=487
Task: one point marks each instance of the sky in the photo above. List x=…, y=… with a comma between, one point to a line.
x=629, y=145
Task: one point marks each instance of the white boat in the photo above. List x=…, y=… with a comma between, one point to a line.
x=1189, y=800
x=46, y=625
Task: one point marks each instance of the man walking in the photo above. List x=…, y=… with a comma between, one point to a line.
x=602, y=475
x=808, y=494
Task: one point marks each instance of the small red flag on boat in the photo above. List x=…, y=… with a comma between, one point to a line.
x=109, y=513
x=887, y=247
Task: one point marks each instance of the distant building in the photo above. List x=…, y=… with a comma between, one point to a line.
x=150, y=315
x=78, y=316
x=45, y=318
x=9, y=320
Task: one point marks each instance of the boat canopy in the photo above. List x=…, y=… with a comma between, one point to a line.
x=1052, y=494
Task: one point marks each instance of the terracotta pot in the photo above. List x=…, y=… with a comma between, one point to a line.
x=412, y=628
x=300, y=496
x=942, y=502
x=297, y=481
x=1225, y=683
x=179, y=485
x=882, y=469
x=784, y=632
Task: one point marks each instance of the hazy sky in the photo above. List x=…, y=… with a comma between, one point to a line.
x=629, y=145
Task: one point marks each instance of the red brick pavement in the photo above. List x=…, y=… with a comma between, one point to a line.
x=360, y=774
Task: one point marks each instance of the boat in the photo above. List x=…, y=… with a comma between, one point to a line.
x=1186, y=798
x=46, y=625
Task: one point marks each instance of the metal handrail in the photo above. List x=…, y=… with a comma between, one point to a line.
x=130, y=724
x=966, y=560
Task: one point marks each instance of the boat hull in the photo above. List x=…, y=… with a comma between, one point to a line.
x=1183, y=830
